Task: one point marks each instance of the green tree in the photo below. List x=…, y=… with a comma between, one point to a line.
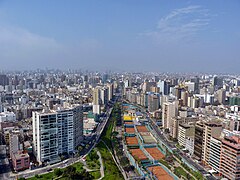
x=70, y=172
x=58, y=172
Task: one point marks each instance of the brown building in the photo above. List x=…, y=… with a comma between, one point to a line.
x=230, y=158
x=198, y=140
x=20, y=161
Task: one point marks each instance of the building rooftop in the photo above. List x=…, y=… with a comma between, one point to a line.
x=21, y=155
x=233, y=141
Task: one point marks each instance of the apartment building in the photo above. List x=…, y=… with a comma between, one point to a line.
x=230, y=158
x=20, y=161
x=176, y=121
x=56, y=132
x=215, y=153
x=198, y=140
x=185, y=131
x=210, y=129
x=169, y=110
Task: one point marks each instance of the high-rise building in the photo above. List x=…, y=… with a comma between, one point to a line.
x=185, y=131
x=217, y=82
x=13, y=144
x=215, y=152
x=164, y=87
x=210, y=129
x=110, y=91
x=96, y=100
x=104, y=95
x=190, y=86
x=169, y=110
x=153, y=102
x=56, y=132
x=198, y=140
x=230, y=158
x=196, y=81
x=221, y=96
x=4, y=80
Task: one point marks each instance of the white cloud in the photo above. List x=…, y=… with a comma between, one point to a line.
x=22, y=49
x=17, y=42
x=181, y=24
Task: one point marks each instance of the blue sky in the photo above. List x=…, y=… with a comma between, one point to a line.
x=131, y=35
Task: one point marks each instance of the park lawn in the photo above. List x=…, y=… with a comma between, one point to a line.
x=111, y=170
x=78, y=166
x=46, y=176
x=50, y=175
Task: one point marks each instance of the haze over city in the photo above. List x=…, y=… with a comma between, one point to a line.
x=175, y=36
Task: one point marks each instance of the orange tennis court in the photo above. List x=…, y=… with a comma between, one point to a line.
x=155, y=153
x=160, y=173
x=131, y=141
x=138, y=154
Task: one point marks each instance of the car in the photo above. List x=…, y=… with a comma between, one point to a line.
x=50, y=169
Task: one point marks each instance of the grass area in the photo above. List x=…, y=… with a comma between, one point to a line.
x=51, y=175
x=110, y=168
x=180, y=172
x=43, y=176
x=92, y=160
x=78, y=166
x=96, y=174
x=196, y=174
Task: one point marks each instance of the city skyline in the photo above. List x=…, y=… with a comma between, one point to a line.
x=160, y=36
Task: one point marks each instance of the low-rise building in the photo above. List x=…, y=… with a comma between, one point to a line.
x=20, y=161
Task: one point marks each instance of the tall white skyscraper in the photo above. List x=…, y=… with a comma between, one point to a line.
x=57, y=132
x=96, y=100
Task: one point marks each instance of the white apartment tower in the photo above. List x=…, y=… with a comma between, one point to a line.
x=56, y=132
x=169, y=110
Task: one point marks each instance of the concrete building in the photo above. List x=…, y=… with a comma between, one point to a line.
x=153, y=102
x=104, y=95
x=20, y=161
x=7, y=117
x=96, y=100
x=175, y=122
x=13, y=144
x=210, y=129
x=169, y=110
x=185, y=131
x=190, y=86
x=215, y=152
x=221, y=96
x=164, y=87
x=229, y=160
x=198, y=140
x=56, y=132
x=190, y=145
x=110, y=91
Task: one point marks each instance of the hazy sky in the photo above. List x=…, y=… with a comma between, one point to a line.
x=138, y=35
